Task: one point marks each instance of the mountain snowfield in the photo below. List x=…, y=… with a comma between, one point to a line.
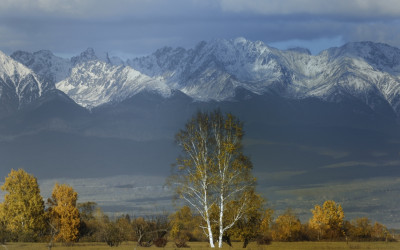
x=214, y=70
x=95, y=83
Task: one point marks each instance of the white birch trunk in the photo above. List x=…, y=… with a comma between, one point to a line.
x=207, y=215
x=210, y=234
x=221, y=221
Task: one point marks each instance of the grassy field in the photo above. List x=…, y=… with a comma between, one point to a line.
x=202, y=245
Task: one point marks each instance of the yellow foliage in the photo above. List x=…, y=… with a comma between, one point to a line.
x=380, y=232
x=23, y=208
x=125, y=228
x=362, y=228
x=287, y=227
x=64, y=213
x=266, y=221
x=182, y=223
x=247, y=227
x=327, y=219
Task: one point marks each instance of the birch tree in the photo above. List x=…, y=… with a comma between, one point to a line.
x=233, y=169
x=213, y=170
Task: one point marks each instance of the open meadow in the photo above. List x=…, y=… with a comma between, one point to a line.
x=204, y=245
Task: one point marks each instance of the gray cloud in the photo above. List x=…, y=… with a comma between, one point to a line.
x=138, y=27
x=365, y=164
x=339, y=8
x=385, y=32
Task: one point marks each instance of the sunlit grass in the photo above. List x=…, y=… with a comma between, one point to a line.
x=204, y=245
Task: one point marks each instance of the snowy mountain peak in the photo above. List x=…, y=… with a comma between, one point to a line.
x=48, y=67
x=19, y=86
x=95, y=83
x=382, y=56
x=85, y=56
x=9, y=67
x=44, y=53
x=213, y=70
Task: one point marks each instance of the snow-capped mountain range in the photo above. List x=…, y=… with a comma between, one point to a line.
x=310, y=120
x=366, y=71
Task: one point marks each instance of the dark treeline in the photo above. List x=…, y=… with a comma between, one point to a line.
x=183, y=227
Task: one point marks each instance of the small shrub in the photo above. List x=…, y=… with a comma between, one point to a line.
x=3, y=235
x=160, y=242
x=26, y=237
x=112, y=235
x=145, y=244
x=181, y=242
x=264, y=240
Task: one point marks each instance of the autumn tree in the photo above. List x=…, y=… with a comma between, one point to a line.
x=97, y=225
x=380, y=232
x=125, y=227
x=88, y=225
x=182, y=226
x=112, y=234
x=3, y=227
x=327, y=220
x=265, y=227
x=87, y=210
x=213, y=170
x=248, y=227
x=64, y=213
x=194, y=173
x=287, y=227
x=141, y=227
x=151, y=230
x=361, y=229
x=23, y=207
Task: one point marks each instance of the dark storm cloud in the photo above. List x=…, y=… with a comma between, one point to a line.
x=139, y=27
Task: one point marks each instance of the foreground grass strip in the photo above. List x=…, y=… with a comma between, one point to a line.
x=204, y=245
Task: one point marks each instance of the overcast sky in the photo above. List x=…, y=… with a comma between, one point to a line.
x=139, y=27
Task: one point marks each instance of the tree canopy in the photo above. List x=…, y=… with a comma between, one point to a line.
x=328, y=219
x=23, y=206
x=64, y=212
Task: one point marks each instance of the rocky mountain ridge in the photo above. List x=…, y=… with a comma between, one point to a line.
x=365, y=71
